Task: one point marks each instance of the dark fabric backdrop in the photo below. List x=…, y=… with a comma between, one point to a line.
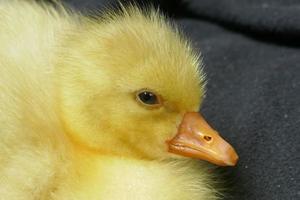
x=252, y=59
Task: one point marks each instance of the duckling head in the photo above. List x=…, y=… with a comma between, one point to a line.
x=131, y=85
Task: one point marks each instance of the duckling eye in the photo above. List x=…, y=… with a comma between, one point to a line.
x=148, y=98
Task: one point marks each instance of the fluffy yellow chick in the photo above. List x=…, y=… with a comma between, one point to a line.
x=101, y=108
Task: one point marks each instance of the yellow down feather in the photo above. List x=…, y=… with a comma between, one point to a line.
x=70, y=125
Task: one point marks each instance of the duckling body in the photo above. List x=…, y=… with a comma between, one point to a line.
x=31, y=134
x=48, y=148
x=107, y=177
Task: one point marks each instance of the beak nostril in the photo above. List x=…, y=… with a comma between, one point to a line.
x=207, y=138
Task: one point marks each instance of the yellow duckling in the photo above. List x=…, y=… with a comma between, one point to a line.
x=101, y=109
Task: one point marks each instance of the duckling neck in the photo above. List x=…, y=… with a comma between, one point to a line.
x=99, y=177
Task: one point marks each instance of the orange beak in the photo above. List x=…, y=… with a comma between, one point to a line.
x=196, y=139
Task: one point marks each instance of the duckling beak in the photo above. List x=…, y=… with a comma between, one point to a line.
x=196, y=139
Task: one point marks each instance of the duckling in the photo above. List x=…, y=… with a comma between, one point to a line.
x=102, y=108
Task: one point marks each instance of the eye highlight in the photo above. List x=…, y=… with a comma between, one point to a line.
x=148, y=98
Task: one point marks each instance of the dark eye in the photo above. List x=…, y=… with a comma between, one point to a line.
x=148, y=98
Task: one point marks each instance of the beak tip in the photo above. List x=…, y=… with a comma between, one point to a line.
x=233, y=159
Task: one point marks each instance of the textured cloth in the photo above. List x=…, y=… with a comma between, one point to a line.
x=251, y=54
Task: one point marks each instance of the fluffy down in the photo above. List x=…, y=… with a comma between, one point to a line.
x=70, y=125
